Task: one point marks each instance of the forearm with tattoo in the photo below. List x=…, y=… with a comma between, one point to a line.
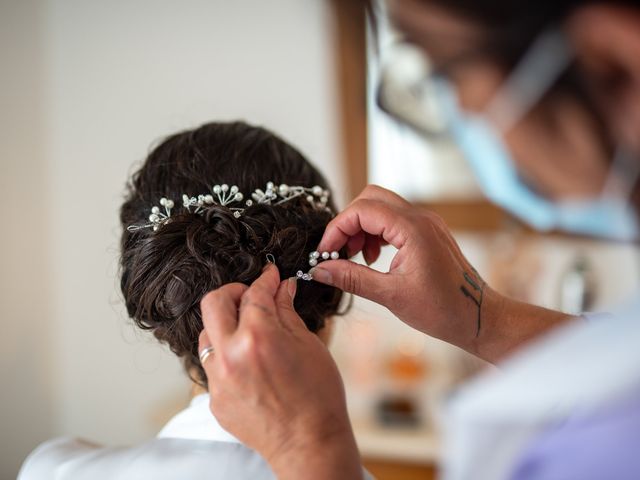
x=474, y=290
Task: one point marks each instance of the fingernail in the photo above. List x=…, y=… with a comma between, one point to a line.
x=292, y=286
x=321, y=275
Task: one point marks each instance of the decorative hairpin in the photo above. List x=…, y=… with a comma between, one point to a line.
x=223, y=193
x=156, y=218
x=225, y=196
x=314, y=258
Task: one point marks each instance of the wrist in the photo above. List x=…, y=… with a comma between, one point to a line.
x=318, y=454
x=510, y=324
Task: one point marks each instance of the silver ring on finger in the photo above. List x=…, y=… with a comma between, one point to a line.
x=204, y=354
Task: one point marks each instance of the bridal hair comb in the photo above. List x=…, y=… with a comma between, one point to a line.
x=226, y=196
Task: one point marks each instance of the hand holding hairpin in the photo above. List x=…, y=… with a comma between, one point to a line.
x=314, y=258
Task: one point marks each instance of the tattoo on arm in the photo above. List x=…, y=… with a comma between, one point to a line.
x=475, y=282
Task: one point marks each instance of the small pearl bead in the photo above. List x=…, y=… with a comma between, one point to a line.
x=224, y=187
x=326, y=255
x=216, y=189
x=313, y=262
x=315, y=254
x=284, y=188
x=249, y=203
x=169, y=204
x=317, y=190
x=208, y=199
x=310, y=198
x=234, y=189
x=236, y=214
x=163, y=201
x=153, y=217
x=335, y=255
x=155, y=210
x=299, y=274
x=238, y=197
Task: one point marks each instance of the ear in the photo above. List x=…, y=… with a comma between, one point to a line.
x=607, y=42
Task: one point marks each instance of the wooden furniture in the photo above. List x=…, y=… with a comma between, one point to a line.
x=393, y=470
x=351, y=68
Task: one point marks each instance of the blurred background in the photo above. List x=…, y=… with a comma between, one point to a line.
x=88, y=86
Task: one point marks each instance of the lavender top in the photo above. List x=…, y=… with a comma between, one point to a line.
x=603, y=445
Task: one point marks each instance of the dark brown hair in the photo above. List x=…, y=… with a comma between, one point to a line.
x=165, y=273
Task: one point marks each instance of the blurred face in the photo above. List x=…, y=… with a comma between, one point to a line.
x=562, y=147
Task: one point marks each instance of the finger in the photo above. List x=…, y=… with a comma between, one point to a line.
x=355, y=244
x=376, y=192
x=371, y=249
x=369, y=216
x=284, y=303
x=219, y=310
x=355, y=278
x=269, y=280
x=258, y=301
x=204, y=342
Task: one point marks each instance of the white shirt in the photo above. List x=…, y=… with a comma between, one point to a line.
x=197, y=423
x=192, y=445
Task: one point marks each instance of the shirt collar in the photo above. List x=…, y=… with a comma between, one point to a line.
x=196, y=422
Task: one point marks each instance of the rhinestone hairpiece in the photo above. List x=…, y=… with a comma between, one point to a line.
x=226, y=196
x=314, y=258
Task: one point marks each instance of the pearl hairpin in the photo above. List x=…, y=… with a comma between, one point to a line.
x=314, y=258
x=225, y=195
x=156, y=218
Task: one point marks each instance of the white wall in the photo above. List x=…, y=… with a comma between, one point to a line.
x=26, y=369
x=91, y=85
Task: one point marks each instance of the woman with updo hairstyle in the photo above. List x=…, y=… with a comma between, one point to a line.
x=165, y=273
x=169, y=262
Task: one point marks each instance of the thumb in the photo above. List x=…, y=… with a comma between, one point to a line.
x=354, y=278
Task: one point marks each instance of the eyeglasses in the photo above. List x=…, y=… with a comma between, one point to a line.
x=409, y=84
x=406, y=87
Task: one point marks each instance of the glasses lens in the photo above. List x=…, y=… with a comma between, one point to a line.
x=406, y=90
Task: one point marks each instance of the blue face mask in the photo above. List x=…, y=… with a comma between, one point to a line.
x=480, y=138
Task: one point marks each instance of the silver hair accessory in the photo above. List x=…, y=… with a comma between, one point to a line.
x=314, y=258
x=226, y=196
x=156, y=218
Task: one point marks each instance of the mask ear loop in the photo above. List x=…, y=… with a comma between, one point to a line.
x=534, y=75
x=547, y=58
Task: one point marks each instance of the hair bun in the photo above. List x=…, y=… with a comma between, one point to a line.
x=166, y=272
x=171, y=269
